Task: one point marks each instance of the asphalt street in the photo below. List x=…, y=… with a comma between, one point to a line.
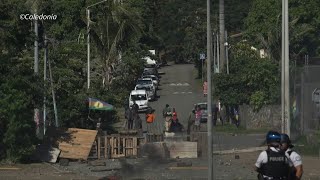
x=181, y=90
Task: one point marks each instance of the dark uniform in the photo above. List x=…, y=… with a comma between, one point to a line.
x=272, y=163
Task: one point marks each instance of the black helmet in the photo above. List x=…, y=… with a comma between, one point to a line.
x=167, y=105
x=273, y=137
x=285, y=139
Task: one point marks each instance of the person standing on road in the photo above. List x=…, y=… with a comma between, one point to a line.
x=296, y=170
x=150, y=117
x=135, y=107
x=167, y=115
x=137, y=121
x=197, y=121
x=191, y=119
x=129, y=119
x=174, y=114
x=272, y=163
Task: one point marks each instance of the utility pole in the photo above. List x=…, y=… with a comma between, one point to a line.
x=53, y=96
x=88, y=40
x=222, y=36
x=282, y=72
x=213, y=52
x=44, y=81
x=227, y=51
x=88, y=48
x=285, y=79
x=218, y=54
x=36, y=70
x=287, y=64
x=209, y=95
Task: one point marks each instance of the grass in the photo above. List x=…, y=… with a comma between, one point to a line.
x=231, y=128
x=306, y=147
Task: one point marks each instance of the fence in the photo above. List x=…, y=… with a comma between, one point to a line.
x=121, y=145
x=306, y=111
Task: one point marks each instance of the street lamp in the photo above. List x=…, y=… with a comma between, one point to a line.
x=88, y=40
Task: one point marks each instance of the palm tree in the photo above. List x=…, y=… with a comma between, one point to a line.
x=116, y=25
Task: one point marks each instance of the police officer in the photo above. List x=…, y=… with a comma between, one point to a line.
x=272, y=164
x=296, y=169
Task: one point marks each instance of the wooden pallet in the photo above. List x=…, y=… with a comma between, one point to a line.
x=150, y=137
x=117, y=146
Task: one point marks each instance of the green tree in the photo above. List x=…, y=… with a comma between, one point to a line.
x=252, y=80
x=20, y=90
x=263, y=27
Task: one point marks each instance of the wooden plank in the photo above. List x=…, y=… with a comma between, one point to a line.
x=118, y=145
x=99, y=147
x=78, y=144
x=135, y=144
x=105, y=146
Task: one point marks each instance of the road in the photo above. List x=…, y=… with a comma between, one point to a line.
x=179, y=89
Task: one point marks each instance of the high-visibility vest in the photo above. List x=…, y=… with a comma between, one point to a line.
x=150, y=118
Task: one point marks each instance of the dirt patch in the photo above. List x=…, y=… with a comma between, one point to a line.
x=231, y=166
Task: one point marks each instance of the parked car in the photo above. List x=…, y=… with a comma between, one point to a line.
x=150, y=90
x=154, y=78
x=145, y=81
x=141, y=98
x=151, y=71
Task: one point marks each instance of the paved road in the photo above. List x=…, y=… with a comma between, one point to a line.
x=179, y=90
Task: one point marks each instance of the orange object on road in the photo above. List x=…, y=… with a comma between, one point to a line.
x=150, y=118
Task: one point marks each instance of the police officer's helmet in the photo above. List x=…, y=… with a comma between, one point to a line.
x=273, y=137
x=285, y=139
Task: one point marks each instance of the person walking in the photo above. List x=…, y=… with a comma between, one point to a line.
x=197, y=121
x=129, y=119
x=296, y=169
x=174, y=115
x=135, y=107
x=272, y=163
x=236, y=117
x=150, y=117
x=137, y=122
x=167, y=115
x=191, y=119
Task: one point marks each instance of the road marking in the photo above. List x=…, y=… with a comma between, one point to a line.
x=179, y=84
x=182, y=92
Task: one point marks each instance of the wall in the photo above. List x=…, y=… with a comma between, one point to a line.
x=269, y=117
